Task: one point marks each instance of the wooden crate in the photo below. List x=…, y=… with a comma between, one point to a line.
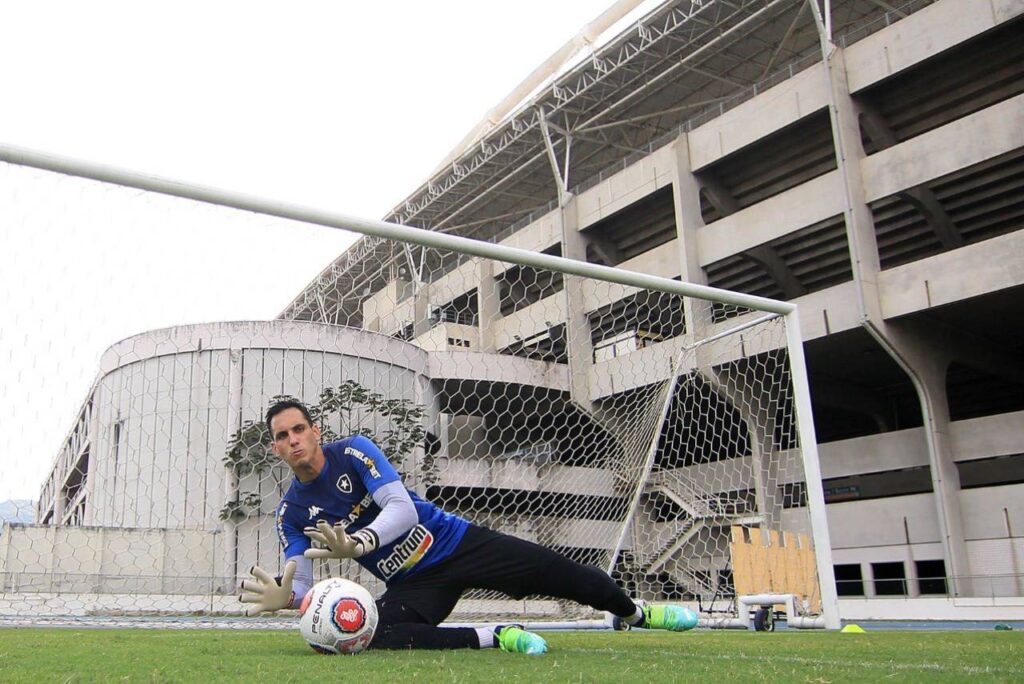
x=773, y=562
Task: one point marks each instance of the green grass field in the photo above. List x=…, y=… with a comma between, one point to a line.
x=66, y=655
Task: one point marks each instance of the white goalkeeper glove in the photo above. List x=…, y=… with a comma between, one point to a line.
x=268, y=593
x=338, y=543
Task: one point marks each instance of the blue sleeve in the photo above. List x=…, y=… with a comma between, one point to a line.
x=289, y=534
x=372, y=465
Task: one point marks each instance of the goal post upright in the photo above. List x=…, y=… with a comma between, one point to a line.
x=812, y=472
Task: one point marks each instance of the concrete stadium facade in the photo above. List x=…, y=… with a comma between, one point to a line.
x=892, y=218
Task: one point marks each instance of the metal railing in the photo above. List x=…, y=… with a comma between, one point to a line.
x=537, y=453
x=864, y=30
x=453, y=316
x=994, y=586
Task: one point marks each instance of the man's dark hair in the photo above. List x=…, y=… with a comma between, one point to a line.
x=284, y=406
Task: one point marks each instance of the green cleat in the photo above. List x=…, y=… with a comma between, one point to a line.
x=667, y=616
x=514, y=639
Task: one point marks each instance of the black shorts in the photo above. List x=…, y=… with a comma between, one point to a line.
x=486, y=559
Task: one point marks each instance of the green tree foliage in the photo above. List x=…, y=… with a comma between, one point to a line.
x=351, y=408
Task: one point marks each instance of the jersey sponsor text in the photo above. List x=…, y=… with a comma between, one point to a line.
x=357, y=454
x=407, y=552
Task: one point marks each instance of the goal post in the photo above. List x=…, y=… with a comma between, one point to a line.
x=628, y=420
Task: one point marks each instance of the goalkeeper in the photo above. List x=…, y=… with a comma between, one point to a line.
x=349, y=499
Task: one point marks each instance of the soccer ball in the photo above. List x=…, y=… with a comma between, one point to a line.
x=338, y=616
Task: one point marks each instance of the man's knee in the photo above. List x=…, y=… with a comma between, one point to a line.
x=584, y=583
x=599, y=584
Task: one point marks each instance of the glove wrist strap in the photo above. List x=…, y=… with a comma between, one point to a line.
x=367, y=538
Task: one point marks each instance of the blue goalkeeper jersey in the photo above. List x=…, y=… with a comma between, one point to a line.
x=343, y=491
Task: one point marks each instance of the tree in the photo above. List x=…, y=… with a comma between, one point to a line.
x=352, y=408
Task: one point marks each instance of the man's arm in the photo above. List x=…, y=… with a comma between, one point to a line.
x=302, y=582
x=397, y=513
x=268, y=593
x=397, y=516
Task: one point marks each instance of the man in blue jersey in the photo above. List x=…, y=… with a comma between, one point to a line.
x=349, y=499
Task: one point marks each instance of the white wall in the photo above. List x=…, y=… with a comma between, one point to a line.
x=36, y=558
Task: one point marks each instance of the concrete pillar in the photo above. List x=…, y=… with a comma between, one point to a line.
x=421, y=310
x=860, y=226
x=488, y=304
x=927, y=363
x=229, y=561
x=686, y=197
x=59, y=503
x=579, y=346
x=922, y=359
x=92, y=419
x=868, y=578
x=913, y=587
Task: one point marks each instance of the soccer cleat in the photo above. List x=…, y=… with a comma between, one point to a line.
x=514, y=639
x=670, y=617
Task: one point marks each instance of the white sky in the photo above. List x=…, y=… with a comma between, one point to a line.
x=340, y=105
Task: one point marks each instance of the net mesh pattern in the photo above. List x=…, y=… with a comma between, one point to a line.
x=627, y=428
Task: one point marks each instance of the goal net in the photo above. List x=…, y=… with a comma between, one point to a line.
x=620, y=421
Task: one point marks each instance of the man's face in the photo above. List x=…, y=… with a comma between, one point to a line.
x=296, y=442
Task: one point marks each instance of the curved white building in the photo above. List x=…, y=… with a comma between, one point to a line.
x=167, y=402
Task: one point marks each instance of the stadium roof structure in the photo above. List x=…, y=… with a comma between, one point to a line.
x=682, y=64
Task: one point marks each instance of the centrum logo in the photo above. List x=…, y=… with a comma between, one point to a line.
x=407, y=552
x=349, y=615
